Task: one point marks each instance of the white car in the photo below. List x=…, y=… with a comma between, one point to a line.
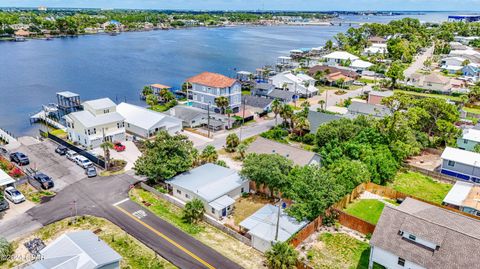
x=82, y=161
x=14, y=195
x=71, y=155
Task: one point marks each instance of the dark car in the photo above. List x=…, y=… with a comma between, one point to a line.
x=19, y=158
x=45, y=181
x=61, y=150
x=4, y=205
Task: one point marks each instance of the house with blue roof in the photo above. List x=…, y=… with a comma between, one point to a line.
x=216, y=186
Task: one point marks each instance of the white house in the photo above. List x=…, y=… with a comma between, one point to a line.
x=77, y=250
x=339, y=57
x=216, y=186
x=464, y=196
x=5, y=179
x=301, y=84
x=262, y=227
x=418, y=235
x=360, y=65
x=145, y=122
x=470, y=138
x=453, y=64
x=461, y=164
x=98, y=122
x=376, y=49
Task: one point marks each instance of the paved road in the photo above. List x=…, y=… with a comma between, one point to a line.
x=418, y=62
x=107, y=197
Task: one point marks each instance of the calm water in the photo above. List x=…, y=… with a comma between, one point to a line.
x=119, y=66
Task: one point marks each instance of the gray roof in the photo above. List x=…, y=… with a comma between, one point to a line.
x=316, y=119
x=457, y=236
x=267, y=146
x=82, y=250
x=187, y=113
x=88, y=120
x=209, y=181
x=282, y=95
x=256, y=101
x=100, y=103
x=146, y=118
x=381, y=93
x=264, y=86
x=368, y=109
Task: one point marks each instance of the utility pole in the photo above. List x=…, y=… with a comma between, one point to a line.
x=278, y=220
x=208, y=119
x=243, y=116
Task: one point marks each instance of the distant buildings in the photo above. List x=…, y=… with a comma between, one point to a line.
x=206, y=87
x=419, y=235
x=461, y=164
x=464, y=18
x=339, y=58
x=376, y=49
x=433, y=81
x=377, y=111
x=470, y=138
x=300, y=84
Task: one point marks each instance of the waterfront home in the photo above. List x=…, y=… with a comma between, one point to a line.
x=339, y=58
x=75, y=250
x=464, y=196
x=377, y=40
x=263, y=225
x=262, y=88
x=461, y=164
x=470, y=138
x=193, y=117
x=156, y=88
x=147, y=123
x=116, y=24
x=332, y=69
x=433, y=81
x=296, y=155
x=206, y=87
x=216, y=186
x=376, y=97
x=376, y=111
x=301, y=84
x=420, y=235
x=464, y=18
x=317, y=119
x=98, y=122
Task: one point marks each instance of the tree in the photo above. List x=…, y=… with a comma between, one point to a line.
x=106, y=146
x=193, y=211
x=329, y=45
x=281, y=256
x=166, y=95
x=301, y=124
x=286, y=113
x=222, y=103
x=209, y=154
x=229, y=113
x=270, y=170
x=276, y=108
x=165, y=157
x=147, y=91
x=6, y=250
x=322, y=104
x=242, y=150
x=395, y=73
x=477, y=148
x=232, y=142
x=152, y=100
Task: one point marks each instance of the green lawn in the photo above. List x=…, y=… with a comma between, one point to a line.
x=420, y=186
x=421, y=94
x=339, y=251
x=159, y=108
x=245, y=92
x=366, y=209
x=473, y=110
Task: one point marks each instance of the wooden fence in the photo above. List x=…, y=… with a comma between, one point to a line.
x=434, y=174
x=355, y=223
x=308, y=230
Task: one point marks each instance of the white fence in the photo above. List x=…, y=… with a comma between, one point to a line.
x=8, y=138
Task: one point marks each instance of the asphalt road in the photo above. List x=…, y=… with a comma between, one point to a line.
x=107, y=197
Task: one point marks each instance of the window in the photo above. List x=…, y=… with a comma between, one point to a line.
x=106, y=111
x=412, y=237
x=401, y=262
x=186, y=195
x=451, y=163
x=465, y=141
x=213, y=210
x=94, y=130
x=179, y=191
x=242, y=190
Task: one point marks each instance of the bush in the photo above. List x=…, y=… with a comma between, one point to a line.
x=193, y=211
x=6, y=250
x=277, y=133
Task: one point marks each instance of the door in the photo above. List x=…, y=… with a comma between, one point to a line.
x=224, y=212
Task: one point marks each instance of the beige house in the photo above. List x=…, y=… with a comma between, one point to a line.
x=434, y=82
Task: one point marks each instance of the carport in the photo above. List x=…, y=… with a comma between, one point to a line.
x=5, y=179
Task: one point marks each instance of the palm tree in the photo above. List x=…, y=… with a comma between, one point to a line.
x=147, y=91
x=232, y=142
x=209, y=154
x=242, y=149
x=281, y=256
x=106, y=146
x=193, y=211
x=222, y=103
x=229, y=113
x=301, y=123
x=152, y=100
x=322, y=104
x=276, y=108
x=286, y=113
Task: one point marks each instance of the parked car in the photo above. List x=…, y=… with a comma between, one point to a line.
x=71, y=155
x=83, y=162
x=3, y=151
x=45, y=181
x=19, y=158
x=14, y=195
x=359, y=83
x=119, y=146
x=91, y=171
x=4, y=205
x=61, y=150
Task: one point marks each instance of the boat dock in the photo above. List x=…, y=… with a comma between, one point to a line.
x=42, y=117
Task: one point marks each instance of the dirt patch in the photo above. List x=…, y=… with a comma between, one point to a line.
x=426, y=160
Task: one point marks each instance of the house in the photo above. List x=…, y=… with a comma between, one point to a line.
x=298, y=156
x=472, y=70
x=377, y=111
x=77, y=250
x=461, y=164
x=262, y=88
x=192, y=117
x=453, y=65
x=339, y=58
x=257, y=104
x=464, y=196
x=301, y=84
x=360, y=65
x=317, y=119
x=376, y=97
x=98, y=122
x=470, y=138
x=22, y=33
x=216, y=186
x=465, y=39
x=420, y=235
x=284, y=96
x=375, y=49
x=469, y=54
x=377, y=40
x=337, y=77
x=433, y=81
x=454, y=45
x=263, y=225
x=206, y=87
x=147, y=123
x=116, y=24
x=156, y=88
x=332, y=69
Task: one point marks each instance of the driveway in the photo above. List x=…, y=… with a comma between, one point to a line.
x=418, y=62
x=332, y=99
x=130, y=155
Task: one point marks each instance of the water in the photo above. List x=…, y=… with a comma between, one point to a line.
x=119, y=66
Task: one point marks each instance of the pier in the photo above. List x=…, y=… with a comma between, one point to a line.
x=42, y=117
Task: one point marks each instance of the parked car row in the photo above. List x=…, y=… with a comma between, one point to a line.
x=80, y=160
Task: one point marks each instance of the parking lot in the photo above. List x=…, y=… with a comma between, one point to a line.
x=44, y=159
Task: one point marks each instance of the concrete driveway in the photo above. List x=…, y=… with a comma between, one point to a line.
x=130, y=155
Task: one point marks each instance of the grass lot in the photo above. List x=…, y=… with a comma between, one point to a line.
x=246, y=92
x=33, y=194
x=245, y=207
x=231, y=248
x=421, y=94
x=159, y=108
x=366, y=209
x=59, y=132
x=339, y=251
x=473, y=110
x=421, y=186
x=134, y=253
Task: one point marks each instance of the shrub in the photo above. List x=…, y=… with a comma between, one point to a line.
x=193, y=211
x=6, y=250
x=277, y=133
x=309, y=139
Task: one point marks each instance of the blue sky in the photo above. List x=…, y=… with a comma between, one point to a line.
x=442, y=5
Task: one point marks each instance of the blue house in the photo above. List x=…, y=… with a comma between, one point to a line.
x=461, y=164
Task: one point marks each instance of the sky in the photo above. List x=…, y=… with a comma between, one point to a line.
x=312, y=5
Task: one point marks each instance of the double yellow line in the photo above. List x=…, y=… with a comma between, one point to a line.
x=171, y=241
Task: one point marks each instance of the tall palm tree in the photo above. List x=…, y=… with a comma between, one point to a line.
x=229, y=113
x=209, y=154
x=152, y=100
x=286, y=113
x=106, y=146
x=322, y=104
x=281, y=256
x=276, y=108
x=301, y=123
x=222, y=103
x=242, y=149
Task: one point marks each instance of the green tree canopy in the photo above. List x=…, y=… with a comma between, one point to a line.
x=193, y=211
x=281, y=256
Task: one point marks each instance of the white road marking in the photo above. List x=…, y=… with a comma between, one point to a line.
x=140, y=214
x=121, y=202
